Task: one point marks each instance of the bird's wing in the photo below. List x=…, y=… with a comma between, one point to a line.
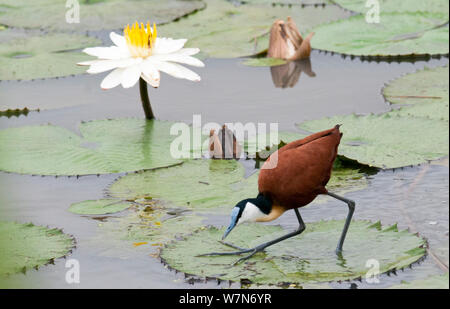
x=302, y=169
x=309, y=139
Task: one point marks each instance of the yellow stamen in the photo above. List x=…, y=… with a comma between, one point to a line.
x=140, y=39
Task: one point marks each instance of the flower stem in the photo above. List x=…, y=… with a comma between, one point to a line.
x=145, y=100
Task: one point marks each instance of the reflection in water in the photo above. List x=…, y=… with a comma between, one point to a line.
x=341, y=261
x=287, y=75
x=146, y=138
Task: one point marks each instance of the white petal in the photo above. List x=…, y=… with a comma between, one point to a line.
x=152, y=82
x=188, y=51
x=90, y=62
x=131, y=75
x=149, y=69
x=112, y=52
x=102, y=66
x=176, y=70
x=175, y=57
x=117, y=39
x=150, y=74
x=106, y=65
x=167, y=46
x=113, y=79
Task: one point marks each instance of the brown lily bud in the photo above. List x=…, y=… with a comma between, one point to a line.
x=215, y=146
x=287, y=43
x=224, y=144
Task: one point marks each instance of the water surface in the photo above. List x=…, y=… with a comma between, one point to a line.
x=416, y=197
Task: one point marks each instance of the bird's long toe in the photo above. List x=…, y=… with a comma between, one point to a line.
x=233, y=246
x=253, y=252
x=225, y=253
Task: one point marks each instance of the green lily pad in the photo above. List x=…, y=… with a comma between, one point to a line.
x=26, y=246
x=200, y=184
x=398, y=34
x=432, y=282
x=431, y=110
x=99, y=207
x=388, y=140
x=105, y=146
x=425, y=93
x=207, y=184
x=388, y=6
x=264, y=62
x=309, y=257
x=288, y=2
x=32, y=56
x=224, y=30
x=94, y=15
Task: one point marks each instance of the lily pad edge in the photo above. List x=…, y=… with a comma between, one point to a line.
x=193, y=278
x=71, y=237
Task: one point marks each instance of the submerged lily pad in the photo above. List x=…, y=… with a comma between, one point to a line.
x=99, y=207
x=224, y=30
x=105, y=146
x=398, y=34
x=26, y=246
x=264, y=62
x=425, y=93
x=309, y=257
x=388, y=140
x=206, y=184
x=93, y=15
x=142, y=230
x=41, y=56
x=432, y=282
x=346, y=179
x=387, y=6
x=154, y=227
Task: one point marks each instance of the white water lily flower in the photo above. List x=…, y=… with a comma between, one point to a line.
x=141, y=54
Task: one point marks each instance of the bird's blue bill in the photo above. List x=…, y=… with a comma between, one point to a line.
x=234, y=218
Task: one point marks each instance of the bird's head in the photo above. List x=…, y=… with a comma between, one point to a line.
x=249, y=210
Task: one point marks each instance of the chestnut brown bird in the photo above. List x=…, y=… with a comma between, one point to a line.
x=291, y=178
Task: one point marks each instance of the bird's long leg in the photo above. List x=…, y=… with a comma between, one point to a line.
x=262, y=246
x=351, y=209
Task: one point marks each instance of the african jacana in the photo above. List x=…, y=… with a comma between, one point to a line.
x=300, y=172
